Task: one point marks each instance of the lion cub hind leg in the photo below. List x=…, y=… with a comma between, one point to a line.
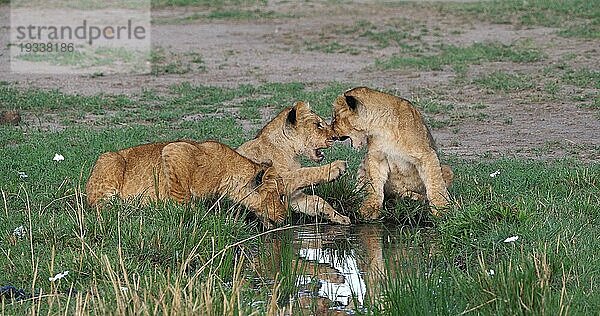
x=178, y=162
x=313, y=205
x=430, y=172
x=106, y=179
x=448, y=175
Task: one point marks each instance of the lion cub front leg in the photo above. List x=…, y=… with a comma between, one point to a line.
x=313, y=205
x=304, y=177
x=373, y=175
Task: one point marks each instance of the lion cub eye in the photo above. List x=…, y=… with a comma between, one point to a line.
x=282, y=198
x=320, y=125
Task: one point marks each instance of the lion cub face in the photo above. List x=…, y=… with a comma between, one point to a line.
x=271, y=189
x=312, y=133
x=346, y=122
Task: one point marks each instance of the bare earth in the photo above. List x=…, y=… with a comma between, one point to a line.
x=524, y=124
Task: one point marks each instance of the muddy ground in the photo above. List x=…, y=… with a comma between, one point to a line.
x=280, y=47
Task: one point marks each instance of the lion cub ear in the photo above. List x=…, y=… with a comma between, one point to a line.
x=351, y=101
x=350, y=98
x=258, y=179
x=264, y=175
x=298, y=110
x=291, y=117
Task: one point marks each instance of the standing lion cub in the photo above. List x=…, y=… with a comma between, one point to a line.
x=401, y=155
x=182, y=169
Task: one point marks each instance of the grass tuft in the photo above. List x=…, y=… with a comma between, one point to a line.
x=502, y=81
x=456, y=56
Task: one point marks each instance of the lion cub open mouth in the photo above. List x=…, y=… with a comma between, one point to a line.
x=318, y=155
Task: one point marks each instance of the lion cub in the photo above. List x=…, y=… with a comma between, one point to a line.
x=298, y=131
x=401, y=155
x=182, y=169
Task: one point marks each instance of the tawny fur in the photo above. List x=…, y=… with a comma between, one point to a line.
x=298, y=131
x=182, y=169
x=401, y=154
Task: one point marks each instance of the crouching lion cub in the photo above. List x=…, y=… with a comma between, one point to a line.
x=182, y=169
x=401, y=155
x=298, y=131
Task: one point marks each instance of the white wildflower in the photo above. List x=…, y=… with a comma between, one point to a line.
x=124, y=289
x=58, y=157
x=58, y=276
x=22, y=175
x=511, y=239
x=495, y=174
x=491, y=272
x=20, y=232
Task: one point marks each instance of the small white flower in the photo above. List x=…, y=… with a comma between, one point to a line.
x=58, y=157
x=491, y=272
x=511, y=239
x=495, y=174
x=22, y=175
x=58, y=276
x=20, y=232
x=124, y=289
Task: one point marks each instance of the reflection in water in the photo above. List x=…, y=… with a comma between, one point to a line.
x=342, y=264
x=352, y=283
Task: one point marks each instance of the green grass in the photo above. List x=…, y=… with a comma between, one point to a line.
x=182, y=101
x=243, y=14
x=552, y=207
x=332, y=47
x=365, y=36
x=503, y=81
x=84, y=58
x=395, y=32
x=432, y=106
x=206, y=3
x=576, y=18
x=130, y=258
x=459, y=57
x=585, y=82
x=583, y=78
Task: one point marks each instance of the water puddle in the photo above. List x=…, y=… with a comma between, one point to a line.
x=337, y=268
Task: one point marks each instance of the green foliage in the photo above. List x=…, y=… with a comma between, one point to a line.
x=577, y=18
x=206, y=3
x=242, y=14
x=461, y=56
x=333, y=47
x=503, y=81
x=583, y=78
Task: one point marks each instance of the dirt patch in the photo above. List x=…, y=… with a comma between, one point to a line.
x=528, y=123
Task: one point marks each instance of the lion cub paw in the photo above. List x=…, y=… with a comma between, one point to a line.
x=341, y=219
x=438, y=210
x=336, y=169
x=370, y=212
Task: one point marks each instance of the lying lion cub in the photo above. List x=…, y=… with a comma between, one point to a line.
x=182, y=169
x=401, y=154
x=298, y=131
